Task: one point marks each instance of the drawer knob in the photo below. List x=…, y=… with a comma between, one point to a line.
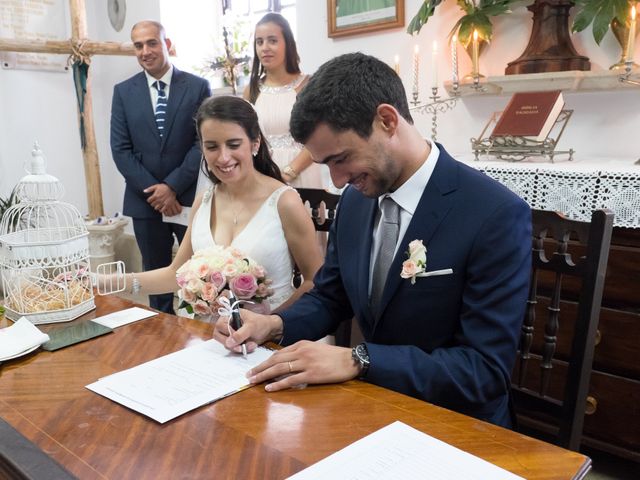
x=592, y=405
x=598, y=337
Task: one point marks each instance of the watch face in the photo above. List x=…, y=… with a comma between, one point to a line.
x=117, y=10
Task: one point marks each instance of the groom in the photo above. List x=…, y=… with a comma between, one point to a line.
x=445, y=332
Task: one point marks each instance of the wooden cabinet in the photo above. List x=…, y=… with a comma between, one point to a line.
x=612, y=420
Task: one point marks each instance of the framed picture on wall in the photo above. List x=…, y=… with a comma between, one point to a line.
x=351, y=17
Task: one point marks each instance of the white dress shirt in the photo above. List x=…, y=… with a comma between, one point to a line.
x=407, y=197
x=166, y=78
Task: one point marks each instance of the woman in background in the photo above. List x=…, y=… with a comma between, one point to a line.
x=276, y=79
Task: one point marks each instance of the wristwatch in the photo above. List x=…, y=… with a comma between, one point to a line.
x=360, y=355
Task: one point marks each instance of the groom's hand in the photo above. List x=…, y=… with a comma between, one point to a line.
x=256, y=329
x=304, y=363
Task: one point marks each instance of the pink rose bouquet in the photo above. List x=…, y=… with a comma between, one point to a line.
x=213, y=272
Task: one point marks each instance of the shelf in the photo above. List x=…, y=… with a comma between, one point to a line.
x=568, y=81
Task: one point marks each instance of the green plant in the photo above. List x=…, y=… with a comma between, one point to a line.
x=6, y=203
x=476, y=17
x=600, y=13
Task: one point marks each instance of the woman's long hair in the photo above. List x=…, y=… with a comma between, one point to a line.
x=242, y=113
x=291, y=57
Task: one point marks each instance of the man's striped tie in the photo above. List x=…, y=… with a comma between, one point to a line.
x=161, y=105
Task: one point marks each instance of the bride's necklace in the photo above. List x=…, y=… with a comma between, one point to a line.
x=235, y=213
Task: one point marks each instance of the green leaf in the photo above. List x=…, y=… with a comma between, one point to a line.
x=602, y=21
x=421, y=18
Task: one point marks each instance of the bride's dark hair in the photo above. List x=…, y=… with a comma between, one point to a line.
x=242, y=113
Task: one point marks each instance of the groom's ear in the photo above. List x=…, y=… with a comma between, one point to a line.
x=387, y=118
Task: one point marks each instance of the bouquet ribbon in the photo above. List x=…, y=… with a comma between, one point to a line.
x=227, y=307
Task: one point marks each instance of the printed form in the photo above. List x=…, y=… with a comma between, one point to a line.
x=170, y=386
x=398, y=452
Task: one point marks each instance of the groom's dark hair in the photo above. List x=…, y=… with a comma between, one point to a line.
x=344, y=94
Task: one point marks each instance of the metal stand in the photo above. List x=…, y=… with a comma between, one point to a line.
x=517, y=148
x=626, y=76
x=437, y=105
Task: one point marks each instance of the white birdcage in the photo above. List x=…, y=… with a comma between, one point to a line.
x=44, y=251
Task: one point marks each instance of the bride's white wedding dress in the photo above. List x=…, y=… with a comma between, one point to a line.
x=261, y=239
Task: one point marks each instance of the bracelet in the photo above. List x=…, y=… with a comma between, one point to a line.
x=135, y=285
x=290, y=171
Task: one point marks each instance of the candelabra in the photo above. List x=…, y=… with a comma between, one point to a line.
x=435, y=106
x=626, y=76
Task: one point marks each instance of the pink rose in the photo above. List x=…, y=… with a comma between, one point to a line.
x=410, y=269
x=258, y=271
x=209, y=292
x=218, y=280
x=201, y=308
x=187, y=295
x=230, y=270
x=244, y=286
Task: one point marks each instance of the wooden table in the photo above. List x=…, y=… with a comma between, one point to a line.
x=252, y=434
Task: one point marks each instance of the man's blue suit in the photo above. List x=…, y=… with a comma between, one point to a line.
x=450, y=340
x=145, y=158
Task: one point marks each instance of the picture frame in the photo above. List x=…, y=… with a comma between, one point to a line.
x=363, y=16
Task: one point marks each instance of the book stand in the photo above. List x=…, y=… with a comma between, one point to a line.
x=517, y=148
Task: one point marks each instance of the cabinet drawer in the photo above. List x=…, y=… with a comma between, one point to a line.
x=618, y=347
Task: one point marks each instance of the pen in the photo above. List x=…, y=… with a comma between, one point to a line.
x=236, y=321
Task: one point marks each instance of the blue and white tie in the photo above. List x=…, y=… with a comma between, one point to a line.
x=161, y=105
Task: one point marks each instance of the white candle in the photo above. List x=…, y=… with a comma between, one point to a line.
x=454, y=57
x=416, y=67
x=396, y=64
x=474, y=58
x=434, y=65
x=631, y=42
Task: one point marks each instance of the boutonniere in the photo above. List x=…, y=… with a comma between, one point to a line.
x=416, y=265
x=417, y=262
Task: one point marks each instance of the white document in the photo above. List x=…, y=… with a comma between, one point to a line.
x=181, y=219
x=19, y=339
x=123, y=317
x=399, y=452
x=170, y=386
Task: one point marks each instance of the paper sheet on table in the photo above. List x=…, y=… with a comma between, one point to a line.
x=170, y=386
x=20, y=338
x=123, y=317
x=398, y=452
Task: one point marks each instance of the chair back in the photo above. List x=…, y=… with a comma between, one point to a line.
x=322, y=204
x=551, y=377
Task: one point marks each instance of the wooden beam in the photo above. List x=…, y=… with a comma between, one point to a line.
x=64, y=47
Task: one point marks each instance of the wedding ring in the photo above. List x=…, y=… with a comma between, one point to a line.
x=290, y=368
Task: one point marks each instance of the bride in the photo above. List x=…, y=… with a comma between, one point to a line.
x=246, y=206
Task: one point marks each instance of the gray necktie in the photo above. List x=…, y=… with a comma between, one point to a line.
x=389, y=227
x=161, y=105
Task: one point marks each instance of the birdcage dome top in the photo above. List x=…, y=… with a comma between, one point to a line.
x=38, y=185
x=39, y=217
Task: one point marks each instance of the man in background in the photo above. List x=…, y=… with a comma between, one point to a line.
x=155, y=147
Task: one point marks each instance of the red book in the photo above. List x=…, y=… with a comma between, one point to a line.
x=529, y=114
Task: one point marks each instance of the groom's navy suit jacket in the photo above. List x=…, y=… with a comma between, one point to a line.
x=451, y=339
x=142, y=156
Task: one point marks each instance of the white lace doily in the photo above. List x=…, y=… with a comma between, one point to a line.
x=574, y=188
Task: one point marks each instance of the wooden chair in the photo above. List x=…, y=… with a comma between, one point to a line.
x=552, y=397
x=322, y=205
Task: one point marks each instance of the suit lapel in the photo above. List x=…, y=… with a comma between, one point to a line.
x=433, y=207
x=176, y=94
x=369, y=211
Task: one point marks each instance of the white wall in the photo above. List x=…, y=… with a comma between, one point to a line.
x=604, y=124
x=41, y=105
